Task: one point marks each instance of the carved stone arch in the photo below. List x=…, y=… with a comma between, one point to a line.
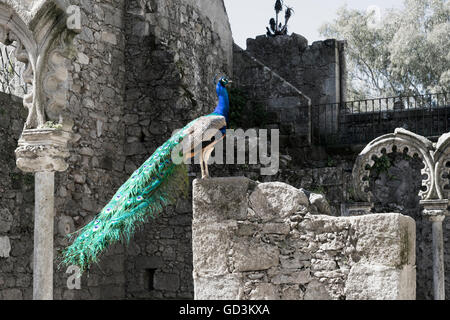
x=442, y=170
x=404, y=141
x=40, y=29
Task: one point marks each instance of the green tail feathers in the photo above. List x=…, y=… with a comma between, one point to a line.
x=156, y=184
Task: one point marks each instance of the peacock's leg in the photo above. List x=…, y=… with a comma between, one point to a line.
x=202, y=167
x=207, y=153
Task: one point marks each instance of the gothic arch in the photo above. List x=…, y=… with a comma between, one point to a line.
x=442, y=164
x=43, y=45
x=405, y=141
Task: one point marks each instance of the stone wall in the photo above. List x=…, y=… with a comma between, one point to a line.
x=142, y=69
x=260, y=241
x=317, y=70
x=16, y=206
x=287, y=108
x=96, y=164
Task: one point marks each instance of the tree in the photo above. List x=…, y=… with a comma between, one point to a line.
x=11, y=70
x=405, y=53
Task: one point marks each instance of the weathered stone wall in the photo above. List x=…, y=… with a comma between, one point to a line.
x=217, y=14
x=96, y=164
x=143, y=69
x=317, y=70
x=16, y=206
x=260, y=241
x=287, y=108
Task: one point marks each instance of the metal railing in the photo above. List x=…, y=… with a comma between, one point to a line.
x=359, y=122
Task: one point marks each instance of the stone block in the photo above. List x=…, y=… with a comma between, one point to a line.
x=276, y=200
x=211, y=243
x=296, y=261
x=149, y=262
x=11, y=294
x=292, y=292
x=320, y=202
x=251, y=256
x=219, y=199
x=65, y=225
x=5, y=247
x=217, y=288
x=380, y=282
x=6, y=220
x=276, y=228
x=264, y=291
x=316, y=291
x=295, y=277
x=166, y=281
x=388, y=239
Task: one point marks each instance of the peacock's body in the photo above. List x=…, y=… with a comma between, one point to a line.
x=159, y=181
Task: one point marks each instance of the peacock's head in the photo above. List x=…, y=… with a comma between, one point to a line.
x=223, y=81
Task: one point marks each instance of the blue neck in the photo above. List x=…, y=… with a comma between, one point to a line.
x=223, y=107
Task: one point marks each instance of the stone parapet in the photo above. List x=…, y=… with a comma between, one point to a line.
x=260, y=241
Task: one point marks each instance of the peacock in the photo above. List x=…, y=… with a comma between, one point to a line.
x=158, y=182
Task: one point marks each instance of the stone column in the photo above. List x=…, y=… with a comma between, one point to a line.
x=43, y=235
x=42, y=152
x=435, y=211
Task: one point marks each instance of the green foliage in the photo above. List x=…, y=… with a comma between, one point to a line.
x=382, y=164
x=28, y=179
x=245, y=113
x=318, y=189
x=18, y=180
x=405, y=53
x=331, y=162
x=53, y=125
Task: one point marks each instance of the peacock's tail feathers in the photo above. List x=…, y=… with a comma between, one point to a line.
x=156, y=184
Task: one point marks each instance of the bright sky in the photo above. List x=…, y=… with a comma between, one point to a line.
x=249, y=18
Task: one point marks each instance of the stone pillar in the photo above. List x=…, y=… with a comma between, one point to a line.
x=42, y=152
x=435, y=211
x=43, y=236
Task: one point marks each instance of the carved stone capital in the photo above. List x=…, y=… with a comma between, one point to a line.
x=43, y=150
x=435, y=210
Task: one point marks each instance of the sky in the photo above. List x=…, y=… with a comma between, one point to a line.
x=249, y=18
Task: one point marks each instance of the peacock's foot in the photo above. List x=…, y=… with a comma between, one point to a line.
x=205, y=176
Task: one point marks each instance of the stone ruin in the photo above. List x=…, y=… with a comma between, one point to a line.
x=263, y=241
x=104, y=97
